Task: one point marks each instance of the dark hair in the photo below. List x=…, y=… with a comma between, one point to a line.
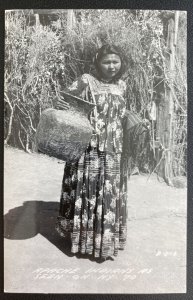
x=110, y=49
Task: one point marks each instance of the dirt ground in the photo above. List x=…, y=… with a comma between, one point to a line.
x=38, y=260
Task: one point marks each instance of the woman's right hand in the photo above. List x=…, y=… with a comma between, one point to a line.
x=61, y=103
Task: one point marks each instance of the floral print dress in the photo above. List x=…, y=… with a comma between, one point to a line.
x=93, y=197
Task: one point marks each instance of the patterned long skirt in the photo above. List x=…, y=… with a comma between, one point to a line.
x=93, y=204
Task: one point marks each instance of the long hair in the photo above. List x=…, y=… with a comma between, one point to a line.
x=110, y=49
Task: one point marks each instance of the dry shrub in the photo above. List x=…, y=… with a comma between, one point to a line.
x=41, y=60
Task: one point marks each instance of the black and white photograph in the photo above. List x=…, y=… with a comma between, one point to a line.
x=95, y=151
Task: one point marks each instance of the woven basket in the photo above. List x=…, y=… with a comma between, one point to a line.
x=65, y=134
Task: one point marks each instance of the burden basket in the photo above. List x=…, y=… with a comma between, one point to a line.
x=65, y=134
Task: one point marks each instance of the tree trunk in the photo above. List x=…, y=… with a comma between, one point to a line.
x=71, y=21
x=166, y=108
x=37, y=19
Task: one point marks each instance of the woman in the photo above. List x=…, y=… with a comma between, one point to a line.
x=93, y=197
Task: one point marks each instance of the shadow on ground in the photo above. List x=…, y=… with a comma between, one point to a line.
x=35, y=217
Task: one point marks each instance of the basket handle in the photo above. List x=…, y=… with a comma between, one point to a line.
x=94, y=112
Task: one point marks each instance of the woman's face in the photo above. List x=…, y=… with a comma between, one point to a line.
x=110, y=65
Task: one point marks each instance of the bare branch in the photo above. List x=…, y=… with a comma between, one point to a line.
x=10, y=119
